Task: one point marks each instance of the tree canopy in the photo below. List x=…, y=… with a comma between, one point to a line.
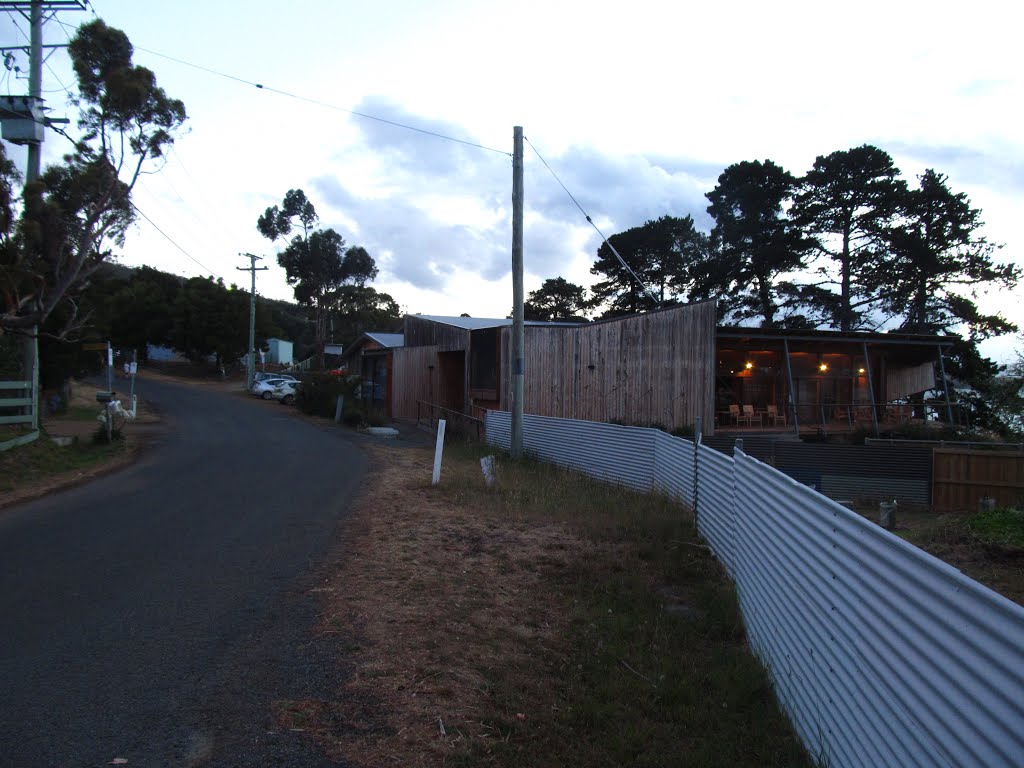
x=76, y=210
x=316, y=262
x=754, y=242
x=938, y=263
x=557, y=299
x=845, y=204
x=660, y=254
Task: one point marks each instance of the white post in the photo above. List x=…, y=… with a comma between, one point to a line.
x=490, y=475
x=438, y=450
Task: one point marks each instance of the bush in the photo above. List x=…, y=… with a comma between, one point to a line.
x=1003, y=527
x=99, y=437
x=318, y=394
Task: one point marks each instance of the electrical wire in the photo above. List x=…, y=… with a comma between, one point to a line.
x=47, y=63
x=622, y=261
x=317, y=102
x=324, y=104
x=168, y=238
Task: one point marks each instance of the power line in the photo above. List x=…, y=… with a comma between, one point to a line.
x=47, y=63
x=168, y=238
x=622, y=261
x=324, y=104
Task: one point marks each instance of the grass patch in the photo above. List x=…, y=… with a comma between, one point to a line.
x=1002, y=527
x=31, y=464
x=653, y=668
x=551, y=621
x=84, y=412
x=986, y=546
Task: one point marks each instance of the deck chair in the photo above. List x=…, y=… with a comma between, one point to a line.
x=734, y=414
x=774, y=416
x=749, y=415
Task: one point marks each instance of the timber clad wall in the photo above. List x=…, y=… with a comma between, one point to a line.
x=652, y=369
x=417, y=375
x=420, y=332
x=963, y=477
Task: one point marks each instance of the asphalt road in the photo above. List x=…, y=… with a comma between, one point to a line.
x=156, y=614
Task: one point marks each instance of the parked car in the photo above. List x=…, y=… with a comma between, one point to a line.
x=286, y=392
x=263, y=376
x=265, y=388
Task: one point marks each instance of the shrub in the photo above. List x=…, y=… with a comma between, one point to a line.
x=318, y=393
x=99, y=437
x=1004, y=527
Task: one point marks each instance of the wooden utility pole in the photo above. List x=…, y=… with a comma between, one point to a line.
x=518, y=332
x=33, y=11
x=250, y=364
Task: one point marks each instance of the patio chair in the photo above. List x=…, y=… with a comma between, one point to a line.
x=749, y=415
x=734, y=414
x=774, y=416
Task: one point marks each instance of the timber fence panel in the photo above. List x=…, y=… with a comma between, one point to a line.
x=715, y=504
x=963, y=476
x=881, y=653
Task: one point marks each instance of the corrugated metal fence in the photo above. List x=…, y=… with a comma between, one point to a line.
x=881, y=654
x=873, y=472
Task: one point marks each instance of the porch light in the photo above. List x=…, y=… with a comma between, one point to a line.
x=823, y=367
x=748, y=366
x=861, y=371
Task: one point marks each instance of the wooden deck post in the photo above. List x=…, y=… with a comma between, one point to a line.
x=871, y=387
x=792, y=390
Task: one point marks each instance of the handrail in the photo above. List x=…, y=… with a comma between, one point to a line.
x=458, y=419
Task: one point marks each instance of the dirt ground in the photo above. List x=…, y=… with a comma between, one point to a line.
x=428, y=597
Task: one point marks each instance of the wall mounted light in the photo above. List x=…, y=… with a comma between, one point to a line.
x=861, y=371
x=823, y=367
x=748, y=366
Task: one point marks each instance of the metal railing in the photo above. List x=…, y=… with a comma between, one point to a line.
x=456, y=423
x=887, y=415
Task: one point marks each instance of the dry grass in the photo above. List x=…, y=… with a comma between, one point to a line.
x=432, y=595
x=552, y=622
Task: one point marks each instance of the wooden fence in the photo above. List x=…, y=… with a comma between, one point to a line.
x=960, y=478
x=652, y=369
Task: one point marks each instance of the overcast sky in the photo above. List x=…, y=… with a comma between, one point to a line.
x=637, y=106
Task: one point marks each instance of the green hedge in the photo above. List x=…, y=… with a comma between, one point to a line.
x=318, y=393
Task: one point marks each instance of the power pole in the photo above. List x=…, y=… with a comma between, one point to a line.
x=518, y=332
x=23, y=124
x=251, y=361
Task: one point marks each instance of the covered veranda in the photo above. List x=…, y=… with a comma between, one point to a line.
x=813, y=382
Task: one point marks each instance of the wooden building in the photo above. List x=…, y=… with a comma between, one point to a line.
x=371, y=357
x=666, y=368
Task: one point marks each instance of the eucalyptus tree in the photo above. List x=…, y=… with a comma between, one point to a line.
x=64, y=224
x=316, y=262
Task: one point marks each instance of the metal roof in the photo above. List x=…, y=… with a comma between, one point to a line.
x=808, y=334
x=478, y=323
x=389, y=340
